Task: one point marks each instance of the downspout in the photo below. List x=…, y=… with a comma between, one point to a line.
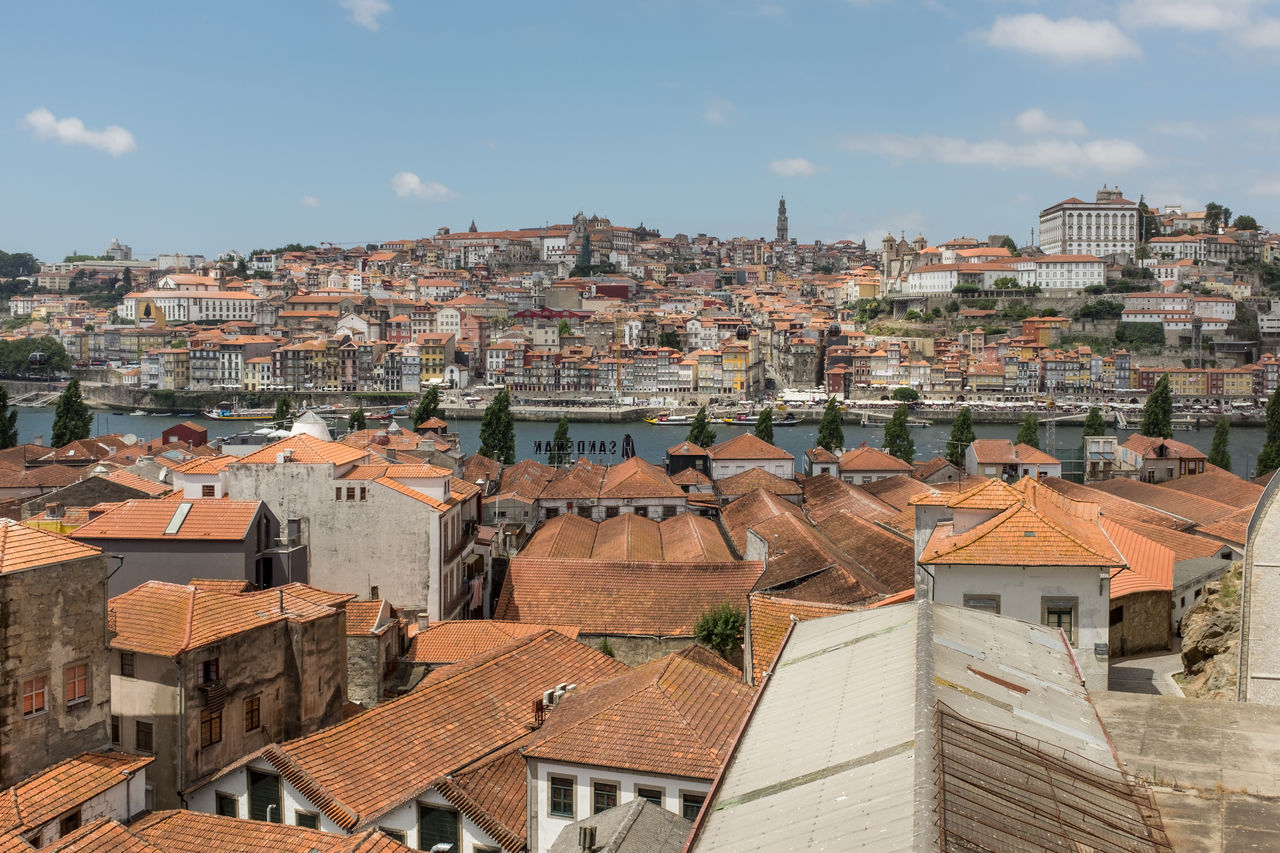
x=182, y=731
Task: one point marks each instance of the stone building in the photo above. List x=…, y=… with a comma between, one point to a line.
x=53, y=650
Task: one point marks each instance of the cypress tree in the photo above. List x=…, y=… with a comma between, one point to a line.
x=284, y=411
x=961, y=437
x=764, y=425
x=561, y=445
x=72, y=420
x=1093, y=423
x=1220, y=452
x=8, y=422
x=498, y=430
x=1269, y=457
x=897, y=436
x=1157, y=414
x=428, y=406
x=701, y=432
x=1029, y=432
x=830, y=432
x=356, y=422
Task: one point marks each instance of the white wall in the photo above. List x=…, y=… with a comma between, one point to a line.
x=546, y=828
x=121, y=802
x=721, y=468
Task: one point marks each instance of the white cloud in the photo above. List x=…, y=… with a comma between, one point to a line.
x=309, y=201
x=366, y=12
x=1191, y=15
x=1066, y=39
x=795, y=167
x=1062, y=156
x=1266, y=188
x=1036, y=121
x=719, y=111
x=113, y=139
x=407, y=184
x=1262, y=34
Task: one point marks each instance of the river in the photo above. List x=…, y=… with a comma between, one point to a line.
x=651, y=442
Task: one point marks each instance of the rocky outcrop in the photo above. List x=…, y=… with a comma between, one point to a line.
x=1211, y=640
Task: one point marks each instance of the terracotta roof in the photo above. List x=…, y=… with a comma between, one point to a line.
x=1150, y=565
x=582, y=479
x=771, y=617
x=868, y=458
x=221, y=585
x=899, y=491
x=686, y=448
x=985, y=494
x=42, y=477
x=168, y=619
x=887, y=554
x=627, y=536
x=479, y=467
x=363, y=618
x=821, y=456
x=636, y=478
x=1218, y=485
x=133, y=481
x=671, y=716
x=1115, y=506
x=307, y=450
x=751, y=509
x=616, y=597
x=1147, y=446
x=797, y=551
x=104, y=835
x=926, y=469
x=1185, y=546
x=1182, y=504
x=450, y=642
x=825, y=496
x=23, y=547
x=494, y=793
x=690, y=477
x=51, y=793
x=747, y=446
x=460, y=714
x=994, y=451
x=206, y=464
x=756, y=478
x=1233, y=529
x=1027, y=454
x=200, y=520
x=527, y=478
x=192, y=832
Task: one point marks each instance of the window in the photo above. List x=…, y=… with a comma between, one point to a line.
x=69, y=823
x=264, y=796
x=226, y=805
x=126, y=664
x=142, y=737
x=611, y=512
x=209, y=671
x=394, y=834
x=252, y=713
x=149, y=797
x=207, y=490
x=210, y=728
x=75, y=678
x=351, y=493
x=1060, y=613
x=115, y=729
x=987, y=603
x=337, y=493
x=691, y=804
x=35, y=695
x=438, y=825
x=1117, y=615
x=310, y=820
x=363, y=492
x=604, y=796
x=562, y=797
x=653, y=795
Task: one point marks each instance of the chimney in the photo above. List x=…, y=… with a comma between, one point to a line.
x=391, y=454
x=284, y=456
x=586, y=839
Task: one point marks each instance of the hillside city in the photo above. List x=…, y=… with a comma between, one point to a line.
x=340, y=624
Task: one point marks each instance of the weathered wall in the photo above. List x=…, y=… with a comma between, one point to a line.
x=175, y=561
x=634, y=651
x=365, y=663
x=87, y=492
x=1144, y=624
x=51, y=617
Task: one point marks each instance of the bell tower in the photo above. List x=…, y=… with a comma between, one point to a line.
x=782, y=221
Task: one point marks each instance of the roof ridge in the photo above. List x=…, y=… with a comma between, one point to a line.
x=191, y=617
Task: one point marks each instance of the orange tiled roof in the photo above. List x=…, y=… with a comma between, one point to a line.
x=192, y=832
x=206, y=464
x=825, y=496
x=616, y=597
x=799, y=552
x=1150, y=565
x=636, y=478
x=899, y=491
x=363, y=618
x=23, y=547
x=1115, y=506
x=168, y=619
x=756, y=478
x=449, y=642
x=1219, y=485
x=673, y=716
x=53, y=792
x=1194, y=508
x=1185, y=546
x=307, y=450
x=627, y=536
x=104, y=835
x=753, y=508
x=747, y=446
x=986, y=494
x=994, y=451
x=1233, y=528
x=133, y=481
x=461, y=713
x=206, y=520
x=868, y=458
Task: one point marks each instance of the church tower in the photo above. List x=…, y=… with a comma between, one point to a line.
x=782, y=221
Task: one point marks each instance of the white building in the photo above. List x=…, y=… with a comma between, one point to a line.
x=190, y=306
x=1065, y=272
x=1106, y=226
x=743, y=452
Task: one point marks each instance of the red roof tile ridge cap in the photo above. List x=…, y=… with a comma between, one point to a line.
x=191, y=617
x=278, y=758
x=456, y=794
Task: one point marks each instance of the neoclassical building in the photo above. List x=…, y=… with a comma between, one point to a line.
x=1103, y=227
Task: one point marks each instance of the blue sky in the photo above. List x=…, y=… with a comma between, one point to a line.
x=201, y=127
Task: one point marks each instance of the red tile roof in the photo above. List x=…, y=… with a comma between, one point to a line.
x=23, y=547
x=825, y=496
x=306, y=450
x=51, y=793
x=1195, y=509
x=747, y=446
x=193, y=832
x=450, y=642
x=1150, y=564
x=872, y=459
x=756, y=478
x=199, y=520
x=363, y=618
x=142, y=484
x=751, y=509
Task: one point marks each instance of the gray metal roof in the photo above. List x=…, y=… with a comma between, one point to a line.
x=637, y=826
x=841, y=751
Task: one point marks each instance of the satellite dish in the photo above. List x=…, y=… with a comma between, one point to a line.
x=129, y=438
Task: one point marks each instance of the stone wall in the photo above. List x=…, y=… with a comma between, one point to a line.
x=1143, y=624
x=52, y=617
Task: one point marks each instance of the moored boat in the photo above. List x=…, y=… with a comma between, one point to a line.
x=668, y=419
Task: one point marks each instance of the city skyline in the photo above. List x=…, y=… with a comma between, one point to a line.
x=354, y=121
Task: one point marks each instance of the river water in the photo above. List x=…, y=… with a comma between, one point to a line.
x=651, y=442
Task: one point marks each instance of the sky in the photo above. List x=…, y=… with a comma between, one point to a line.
x=205, y=127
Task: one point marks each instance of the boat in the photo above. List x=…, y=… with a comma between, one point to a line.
x=668, y=419
x=228, y=412
x=388, y=415
x=748, y=419
x=137, y=413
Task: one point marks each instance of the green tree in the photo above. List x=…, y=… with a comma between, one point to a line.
x=1093, y=424
x=1244, y=222
x=498, y=430
x=428, y=406
x=669, y=339
x=561, y=445
x=961, y=437
x=284, y=411
x=126, y=279
x=830, y=431
x=903, y=394
x=356, y=422
x=720, y=628
x=1005, y=282
x=72, y=419
x=700, y=431
x=764, y=425
x=1220, y=452
x=564, y=329
x=1212, y=217
x=1029, y=432
x=897, y=436
x=1157, y=414
x=8, y=421
x=15, y=355
x=1007, y=243
x=1269, y=457
x=606, y=648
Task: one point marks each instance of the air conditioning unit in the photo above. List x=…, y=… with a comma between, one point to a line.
x=549, y=699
